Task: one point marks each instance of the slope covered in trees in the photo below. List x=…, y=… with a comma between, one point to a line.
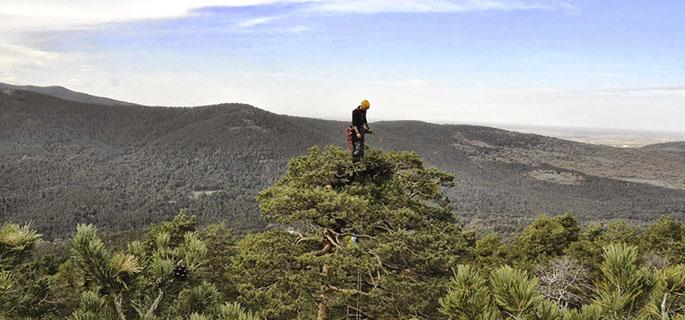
x=372, y=240
x=122, y=167
x=674, y=147
x=64, y=93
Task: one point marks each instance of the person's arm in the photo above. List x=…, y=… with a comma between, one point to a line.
x=356, y=131
x=366, y=124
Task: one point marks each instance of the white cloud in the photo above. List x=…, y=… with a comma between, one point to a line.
x=675, y=91
x=9, y=52
x=15, y=58
x=258, y=21
x=50, y=15
x=415, y=82
x=377, y=6
x=643, y=91
x=266, y=25
x=68, y=14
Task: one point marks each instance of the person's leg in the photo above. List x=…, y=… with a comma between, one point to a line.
x=357, y=148
x=361, y=147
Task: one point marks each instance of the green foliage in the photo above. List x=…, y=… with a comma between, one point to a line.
x=8, y=293
x=406, y=234
x=228, y=311
x=65, y=285
x=204, y=298
x=173, y=231
x=377, y=239
x=548, y=310
x=162, y=276
x=666, y=237
x=233, y=311
x=16, y=243
x=625, y=286
x=113, y=273
x=490, y=252
x=279, y=274
x=514, y=292
x=668, y=296
x=588, y=250
x=468, y=296
x=92, y=307
x=221, y=242
x=326, y=189
x=625, y=290
x=546, y=238
x=588, y=312
x=272, y=276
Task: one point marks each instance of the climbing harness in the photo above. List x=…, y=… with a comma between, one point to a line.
x=348, y=135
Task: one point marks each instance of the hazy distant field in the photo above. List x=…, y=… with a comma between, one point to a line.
x=609, y=137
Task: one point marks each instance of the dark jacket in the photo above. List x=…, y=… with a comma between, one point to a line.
x=359, y=119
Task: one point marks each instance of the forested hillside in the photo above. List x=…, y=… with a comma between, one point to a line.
x=63, y=93
x=376, y=240
x=121, y=167
x=674, y=147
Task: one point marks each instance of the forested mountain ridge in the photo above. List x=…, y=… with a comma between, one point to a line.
x=64, y=162
x=64, y=93
x=676, y=147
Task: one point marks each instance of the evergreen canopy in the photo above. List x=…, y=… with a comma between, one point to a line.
x=383, y=230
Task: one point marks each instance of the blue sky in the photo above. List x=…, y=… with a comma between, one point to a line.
x=601, y=63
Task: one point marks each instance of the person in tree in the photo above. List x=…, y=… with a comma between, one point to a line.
x=359, y=128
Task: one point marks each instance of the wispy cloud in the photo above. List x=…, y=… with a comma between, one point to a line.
x=39, y=15
x=413, y=82
x=643, y=91
x=425, y=6
x=48, y=15
x=268, y=25
x=13, y=58
x=258, y=21
x=672, y=91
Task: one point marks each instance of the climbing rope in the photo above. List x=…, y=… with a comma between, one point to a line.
x=359, y=290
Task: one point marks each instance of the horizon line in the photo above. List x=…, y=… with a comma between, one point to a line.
x=497, y=125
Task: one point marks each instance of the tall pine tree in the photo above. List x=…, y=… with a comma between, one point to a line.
x=380, y=233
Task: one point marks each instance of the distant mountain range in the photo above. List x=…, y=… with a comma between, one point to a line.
x=68, y=158
x=64, y=93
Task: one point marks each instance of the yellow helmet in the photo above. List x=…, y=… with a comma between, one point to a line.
x=365, y=104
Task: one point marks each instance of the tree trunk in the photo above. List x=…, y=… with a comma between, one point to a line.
x=664, y=309
x=155, y=304
x=322, y=314
x=327, y=272
x=118, y=305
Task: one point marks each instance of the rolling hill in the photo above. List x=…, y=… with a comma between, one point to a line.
x=64, y=93
x=125, y=166
x=675, y=147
